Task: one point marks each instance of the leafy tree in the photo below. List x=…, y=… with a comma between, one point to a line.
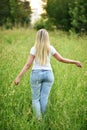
x=14, y=11
x=57, y=10
x=4, y=11
x=67, y=14
x=78, y=15
x=20, y=12
x=44, y=0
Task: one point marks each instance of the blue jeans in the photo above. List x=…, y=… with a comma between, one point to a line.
x=41, y=82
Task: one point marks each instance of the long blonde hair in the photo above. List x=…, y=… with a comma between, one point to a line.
x=42, y=45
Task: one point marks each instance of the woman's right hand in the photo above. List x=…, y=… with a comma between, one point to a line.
x=17, y=81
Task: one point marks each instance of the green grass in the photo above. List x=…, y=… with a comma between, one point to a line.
x=67, y=107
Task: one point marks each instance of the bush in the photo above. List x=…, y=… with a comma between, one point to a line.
x=78, y=18
x=8, y=24
x=68, y=14
x=44, y=23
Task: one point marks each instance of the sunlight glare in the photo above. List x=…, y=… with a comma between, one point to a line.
x=36, y=5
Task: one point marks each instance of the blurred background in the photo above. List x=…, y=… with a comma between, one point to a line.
x=50, y=14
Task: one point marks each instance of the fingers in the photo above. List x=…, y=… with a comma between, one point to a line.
x=16, y=82
x=79, y=64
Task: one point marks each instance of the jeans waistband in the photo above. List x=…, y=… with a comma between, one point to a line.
x=40, y=70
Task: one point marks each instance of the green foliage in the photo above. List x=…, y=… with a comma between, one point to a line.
x=20, y=12
x=8, y=24
x=67, y=14
x=44, y=23
x=4, y=11
x=57, y=10
x=78, y=15
x=14, y=12
x=39, y=24
x=67, y=107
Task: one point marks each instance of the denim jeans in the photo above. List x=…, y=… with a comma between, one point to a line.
x=41, y=82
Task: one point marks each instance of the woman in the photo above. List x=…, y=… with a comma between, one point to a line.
x=42, y=77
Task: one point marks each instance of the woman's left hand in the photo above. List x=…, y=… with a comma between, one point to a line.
x=78, y=64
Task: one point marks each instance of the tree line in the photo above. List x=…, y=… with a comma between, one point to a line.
x=68, y=14
x=14, y=12
x=61, y=14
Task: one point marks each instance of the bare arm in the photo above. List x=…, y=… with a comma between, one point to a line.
x=25, y=68
x=65, y=60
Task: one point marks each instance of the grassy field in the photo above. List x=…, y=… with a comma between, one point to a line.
x=67, y=107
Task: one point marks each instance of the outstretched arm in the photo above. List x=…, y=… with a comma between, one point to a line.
x=25, y=68
x=65, y=60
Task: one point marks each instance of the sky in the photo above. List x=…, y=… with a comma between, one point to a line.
x=36, y=6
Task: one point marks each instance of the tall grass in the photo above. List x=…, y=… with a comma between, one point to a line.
x=67, y=106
